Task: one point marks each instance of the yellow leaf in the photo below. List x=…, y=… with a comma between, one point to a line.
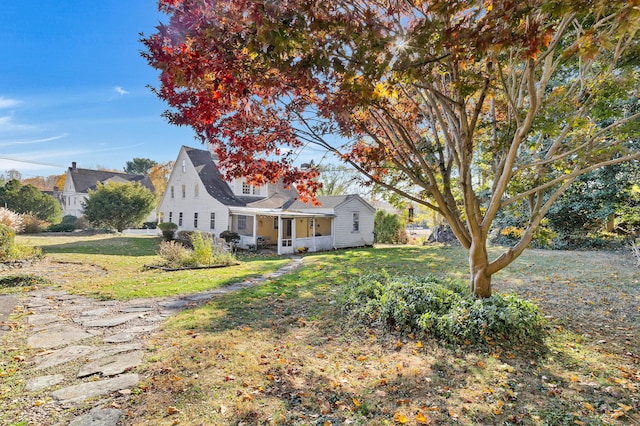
x=617, y=414
x=362, y=358
x=482, y=364
x=356, y=402
x=399, y=418
x=579, y=423
x=422, y=419
x=398, y=344
x=38, y=402
x=574, y=378
x=419, y=344
x=625, y=407
x=321, y=356
x=589, y=406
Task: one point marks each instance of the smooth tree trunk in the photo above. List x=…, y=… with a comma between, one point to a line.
x=479, y=267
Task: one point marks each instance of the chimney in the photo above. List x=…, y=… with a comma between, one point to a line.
x=73, y=165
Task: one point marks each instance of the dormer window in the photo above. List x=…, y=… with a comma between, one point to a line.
x=250, y=189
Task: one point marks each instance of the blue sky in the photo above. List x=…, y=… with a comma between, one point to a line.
x=73, y=87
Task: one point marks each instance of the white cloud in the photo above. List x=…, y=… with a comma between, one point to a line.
x=119, y=90
x=8, y=125
x=32, y=141
x=8, y=103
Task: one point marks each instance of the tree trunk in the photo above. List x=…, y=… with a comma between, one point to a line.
x=478, y=263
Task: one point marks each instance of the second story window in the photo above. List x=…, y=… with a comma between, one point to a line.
x=246, y=188
x=173, y=194
x=184, y=191
x=195, y=220
x=170, y=216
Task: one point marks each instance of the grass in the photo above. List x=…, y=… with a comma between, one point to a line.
x=123, y=260
x=282, y=354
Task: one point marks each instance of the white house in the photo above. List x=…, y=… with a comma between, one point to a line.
x=79, y=181
x=198, y=198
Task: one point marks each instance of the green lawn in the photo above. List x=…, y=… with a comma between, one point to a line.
x=123, y=259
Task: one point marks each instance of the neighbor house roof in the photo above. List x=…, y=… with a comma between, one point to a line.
x=87, y=179
x=211, y=177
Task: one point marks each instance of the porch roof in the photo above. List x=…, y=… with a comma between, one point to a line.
x=252, y=211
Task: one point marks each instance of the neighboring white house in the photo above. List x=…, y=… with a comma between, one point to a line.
x=79, y=181
x=198, y=198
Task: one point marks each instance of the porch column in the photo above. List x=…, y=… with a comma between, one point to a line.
x=279, y=235
x=255, y=230
x=313, y=235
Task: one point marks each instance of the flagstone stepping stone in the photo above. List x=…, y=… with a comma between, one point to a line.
x=57, y=336
x=104, y=351
x=43, y=319
x=98, y=417
x=43, y=382
x=120, y=338
x=142, y=328
x=110, y=321
x=94, y=313
x=137, y=308
x=82, y=391
x=112, y=365
x=67, y=354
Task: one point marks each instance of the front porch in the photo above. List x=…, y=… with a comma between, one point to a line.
x=284, y=231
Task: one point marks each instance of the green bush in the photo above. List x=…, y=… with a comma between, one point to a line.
x=230, y=237
x=389, y=228
x=7, y=238
x=61, y=227
x=202, y=248
x=70, y=219
x=443, y=309
x=168, y=230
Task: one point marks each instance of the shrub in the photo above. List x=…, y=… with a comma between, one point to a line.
x=168, y=230
x=11, y=219
x=81, y=223
x=69, y=219
x=149, y=225
x=389, y=228
x=7, y=238
x=230, y=237
x=32, y=224
x=174, y=254
x=61, y=227
x=202, y=248
x=444, y=310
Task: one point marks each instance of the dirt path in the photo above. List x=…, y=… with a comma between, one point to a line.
x=82, y=351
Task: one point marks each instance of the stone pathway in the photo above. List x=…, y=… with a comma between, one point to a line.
x=89, y=349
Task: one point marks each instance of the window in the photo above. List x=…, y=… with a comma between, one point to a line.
x=170, y=216
x=275, y=223
x=196, y=190
x=184, y=191
x=173, y=193
x=184, y=166
x=212, y=221
x=356, y=222
x=242, y=222
x=246, y=188
x=255, y=190
x=195, y=220
x=180, y=219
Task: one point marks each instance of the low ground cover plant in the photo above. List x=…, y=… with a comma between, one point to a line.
x=443, y=309
x=10, y=250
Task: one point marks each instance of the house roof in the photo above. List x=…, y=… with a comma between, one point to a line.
x=327, y=202
x=275, y=201
x=87, y=179
x=211, y=177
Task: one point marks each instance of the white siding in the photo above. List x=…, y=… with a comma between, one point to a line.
x=203, y=203
x=344, y=234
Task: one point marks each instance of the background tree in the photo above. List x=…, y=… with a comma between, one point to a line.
x=118, y=205
x=139, y=166
x=480, y=104
x=338, y=179
x=159, y=175
x=28, y=199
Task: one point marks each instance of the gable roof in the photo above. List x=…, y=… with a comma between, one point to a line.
x=329, y=201
x=211, y=177
x=87, y=179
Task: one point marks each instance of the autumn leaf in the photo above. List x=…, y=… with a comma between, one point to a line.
x=399, y=418
x=422, y=419
x=588, y=406
x=356, y=402
x=419, y=344
x=172, y=410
